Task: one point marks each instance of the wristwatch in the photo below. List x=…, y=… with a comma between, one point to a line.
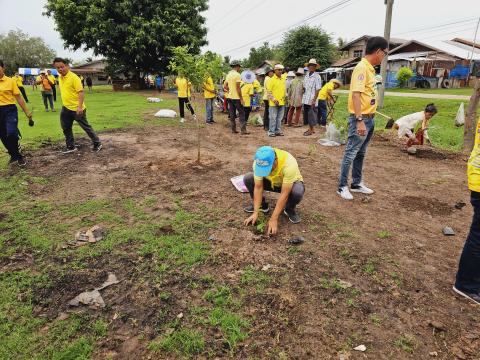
x=359, y=118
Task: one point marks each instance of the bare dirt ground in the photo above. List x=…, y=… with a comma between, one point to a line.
x=389, y=247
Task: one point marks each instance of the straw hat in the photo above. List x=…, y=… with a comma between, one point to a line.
x=312, y=62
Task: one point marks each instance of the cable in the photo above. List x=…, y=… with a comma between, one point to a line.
x=274, y=34
x=447, y=33
x=436, y=26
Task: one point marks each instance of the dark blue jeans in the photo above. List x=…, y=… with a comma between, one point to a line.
x=468, y=275
x=322, y=112
x=9, y=133
x=355, y=150
x=209, y=110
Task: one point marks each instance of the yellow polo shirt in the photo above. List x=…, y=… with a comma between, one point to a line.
x=8, y=91
x=474, y=163
x=256, y=85
x=363, y=81
x=247, y=92
x=19, y=80
x=208, y=85
x=276, y=87
x=286, y=172
x=183, y=86
x=233, y=78
x=52, y=79
x=70, y=85
x=323, y=93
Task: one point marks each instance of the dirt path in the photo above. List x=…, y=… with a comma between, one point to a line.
x=388, y=249
x=422, y=95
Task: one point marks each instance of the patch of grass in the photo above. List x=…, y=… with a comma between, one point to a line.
x=334, y=284
x=219, y=296
x=251, y=276
x=370, y=268
x=346, y=234
x=293, y=250
x=376, y=319
x=384, y=234
x=231, y=325
x=406, y=342
x=183, y=341
x=100, y=328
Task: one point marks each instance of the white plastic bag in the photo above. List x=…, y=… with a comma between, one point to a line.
x=166, y=113
x=154, y=100
x=460, y=118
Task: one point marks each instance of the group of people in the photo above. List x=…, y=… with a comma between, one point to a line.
x=73, y=109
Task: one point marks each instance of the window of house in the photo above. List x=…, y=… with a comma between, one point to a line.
x=357, y=53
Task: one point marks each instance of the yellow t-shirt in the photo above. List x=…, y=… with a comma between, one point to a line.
x=208, y=85
x=286, y=172
x=8, y=91
x=256, y=85
x=247, y=92
x=183, y=86
x=363, y=81
x=19, y=80
x=474, y=163
x=276, y=87
x=323, y=93
x=265, y=83
x=52, y=79
x=70, y=85
x=233, y=78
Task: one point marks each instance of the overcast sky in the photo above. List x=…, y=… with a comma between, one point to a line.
x=237, y=25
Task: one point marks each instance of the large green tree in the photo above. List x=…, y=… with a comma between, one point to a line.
x=264, y=52
x=18, y=49
x=135, y=36
x=305, y=42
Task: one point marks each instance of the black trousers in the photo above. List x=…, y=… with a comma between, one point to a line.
x=182, y=102
x=24, y=94
x=247, y=110
x=296, y=195
x=9, y=133
x=67, y=117
x=233, y=106
x=54, y=91
x=266, y=115
x=47, y=96
x=468, y=275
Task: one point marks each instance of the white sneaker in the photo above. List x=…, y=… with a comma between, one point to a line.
x=345, y=193
x=360, y=188
x=194, y=116
x=182, y=120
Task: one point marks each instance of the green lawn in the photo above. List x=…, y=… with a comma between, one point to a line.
x=462, y=91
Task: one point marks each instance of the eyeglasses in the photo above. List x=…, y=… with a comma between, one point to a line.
x=385, y=52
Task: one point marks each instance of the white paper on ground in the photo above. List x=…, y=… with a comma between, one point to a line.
x=166, y=113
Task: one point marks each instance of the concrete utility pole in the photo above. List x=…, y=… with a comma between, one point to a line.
x=386, y=35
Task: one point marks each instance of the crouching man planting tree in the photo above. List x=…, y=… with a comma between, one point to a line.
x=274, y=170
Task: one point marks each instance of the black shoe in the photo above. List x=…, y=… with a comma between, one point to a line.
x=245, y=133
x=97, y=147
x=69, y=150
x=292, y=215
x=475, y=297
x=21, y=162
x=265, y=208
x=234, y=131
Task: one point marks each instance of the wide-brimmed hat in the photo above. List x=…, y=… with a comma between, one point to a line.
x=279, y=67
x=336, y=81
x=290, y=74
x=312, y=62
x=267, y=70
x=300, y=71
x=235, y=63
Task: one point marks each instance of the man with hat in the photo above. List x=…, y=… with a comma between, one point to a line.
x=266, y=113
x=277, y=171
x=312, y=83
x=294, y=95
x=235, y=100
x=326, y=94
x=276, y=92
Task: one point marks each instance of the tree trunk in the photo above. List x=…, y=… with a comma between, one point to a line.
x=471, y=119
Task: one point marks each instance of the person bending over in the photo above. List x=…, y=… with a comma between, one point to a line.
x=406, y=126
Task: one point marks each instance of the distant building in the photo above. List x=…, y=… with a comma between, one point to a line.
x=95, y=69
x=356, y=48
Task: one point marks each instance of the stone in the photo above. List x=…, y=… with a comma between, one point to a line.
x=412, y=150
x=360, y=348
x=296, y=240
x=433, y=353
x=437, y=325
x=448, y=231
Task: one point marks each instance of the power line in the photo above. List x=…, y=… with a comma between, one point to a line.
x=450, y=32
x=319, y=13
x=436, y=26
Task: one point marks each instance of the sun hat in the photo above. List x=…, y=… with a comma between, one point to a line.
x=300, y=71
x=290, y=74
x=264, y=159
x=312, y=62
x=279, y=67
x=267, y=70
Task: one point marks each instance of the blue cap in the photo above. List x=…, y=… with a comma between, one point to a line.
x=264, y=159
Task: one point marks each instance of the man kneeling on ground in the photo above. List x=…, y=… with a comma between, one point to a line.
x=274, y=170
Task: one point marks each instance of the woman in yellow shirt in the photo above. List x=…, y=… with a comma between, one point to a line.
x=184, y=92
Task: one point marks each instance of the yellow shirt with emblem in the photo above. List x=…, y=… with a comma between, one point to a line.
x=183, y=86
x=208, y=85
x=323, y=93
x=276, y=88
x=70, y=85
x=233, y=78
x=474, y=163
x=363, y=81
x=286, y=172
x=8, y=91
x=247, y=92
x=19, y=80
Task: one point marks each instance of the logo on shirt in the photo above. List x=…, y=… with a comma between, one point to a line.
x=361, y=77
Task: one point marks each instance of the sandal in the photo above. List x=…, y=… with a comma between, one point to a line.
x=307, y=133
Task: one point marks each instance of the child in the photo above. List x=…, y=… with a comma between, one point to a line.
x=406, y=126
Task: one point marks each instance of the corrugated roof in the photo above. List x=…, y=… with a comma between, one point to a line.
x=443, y=47
x=343, y=62
x=393, y=40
